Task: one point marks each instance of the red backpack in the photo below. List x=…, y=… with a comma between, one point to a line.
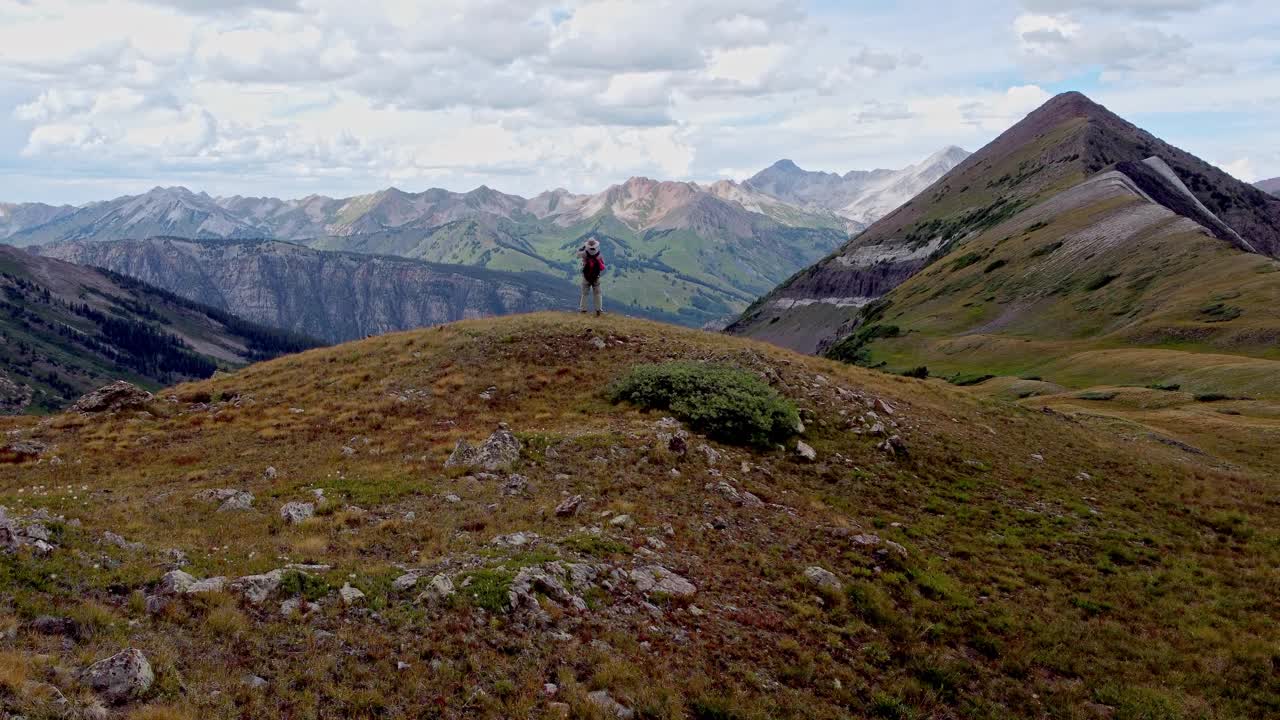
x=592, y=267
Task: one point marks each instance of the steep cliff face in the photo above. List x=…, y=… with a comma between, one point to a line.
x=1056, y=147
x=66, y=329
x=328, y=295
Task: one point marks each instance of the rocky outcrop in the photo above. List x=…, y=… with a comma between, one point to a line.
x=499, y=452
x=120, y=678
x=14, y=396
x=117, y=396
x=326, y=295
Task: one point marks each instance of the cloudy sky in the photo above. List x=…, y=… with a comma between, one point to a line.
x=291, y=97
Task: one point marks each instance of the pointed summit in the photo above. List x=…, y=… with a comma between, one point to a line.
x=1066, y=141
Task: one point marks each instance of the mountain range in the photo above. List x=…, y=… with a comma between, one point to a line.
x=698, y=253
x=1272, y=186
x=333, y=296
x=860, y=196
x=66, y=329
x=1075, y=247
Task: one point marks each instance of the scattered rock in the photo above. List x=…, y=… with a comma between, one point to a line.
x=253, y=681
x=499, y=452
x=711, y=454
x=515, y=485
x=569, y=506
x=678, y=445
x=121, y=677
x=239, y=502
x=895, y=445
x=257, y=588
x=297, y=512
x=270, y=473
x=111, y=538
x=175, y=582
x=117, y=396
x=29, y=533
x=822, y=579
x=56, y=626
x=25, y=449
x=883, y=407
x=658, y=579
x=1037, y=457
x=597, y=342
x=1082, y=475
x=405, y=582
x=805, y=451
x=622, y=521
x=740, y=498
x=350, y=595
x=515, y=540
x=439, y=589
x=610, y=707
x=451, y=498
x=176, y=557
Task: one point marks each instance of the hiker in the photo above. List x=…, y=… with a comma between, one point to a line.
x=592, y=267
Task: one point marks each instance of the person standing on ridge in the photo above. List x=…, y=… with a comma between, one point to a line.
x=592, y=268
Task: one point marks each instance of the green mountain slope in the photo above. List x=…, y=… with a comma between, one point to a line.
x=67, y=329
x=672, y=248
x=1054, y=149
x=1099, y=271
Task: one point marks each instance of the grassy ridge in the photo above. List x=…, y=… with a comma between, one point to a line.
x=1051, y=569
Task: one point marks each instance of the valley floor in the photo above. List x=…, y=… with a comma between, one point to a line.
x=998, y=561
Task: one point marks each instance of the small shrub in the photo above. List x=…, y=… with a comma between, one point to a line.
x=728, y=404
x=1221, y=312
x=966, y=379
x=1100, y=281
x=853, y=349
x=870, y=602
x=1167, y=387
x=595, y=545
x=890, y=708
x=919, y=371
x=714, y=707
x=489, y=589
x=1046, y=249
x=965, y=261
x=1098, y=395
x=995, y=265
x=311, y=587
x=1211, y=397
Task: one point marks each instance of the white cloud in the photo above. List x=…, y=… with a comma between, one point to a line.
x=1242, y=169
x=296, y=96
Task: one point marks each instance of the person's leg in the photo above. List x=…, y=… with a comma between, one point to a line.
x=582, y=302
x=599, y=297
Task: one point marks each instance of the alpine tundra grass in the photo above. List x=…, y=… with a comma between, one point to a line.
x=982, y=559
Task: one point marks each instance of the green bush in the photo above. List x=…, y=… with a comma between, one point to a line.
x=295, y=584
x=967, y=379
x=921, y=372
x=854, y=349
x=727, y=404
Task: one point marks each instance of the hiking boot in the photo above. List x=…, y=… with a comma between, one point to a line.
x=599, y=313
